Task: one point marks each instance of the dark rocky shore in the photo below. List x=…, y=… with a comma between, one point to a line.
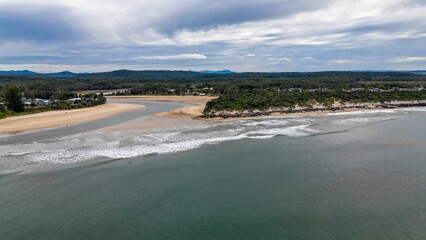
x=361, y=106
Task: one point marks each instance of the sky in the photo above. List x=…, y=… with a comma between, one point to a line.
x=250, y=35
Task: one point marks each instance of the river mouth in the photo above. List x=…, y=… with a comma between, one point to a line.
x=136, y=138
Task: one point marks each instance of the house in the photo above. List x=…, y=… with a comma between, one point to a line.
x=41, y=102
x=74, y=100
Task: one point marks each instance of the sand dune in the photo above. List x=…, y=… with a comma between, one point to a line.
x=184, y=112
x=63, y=117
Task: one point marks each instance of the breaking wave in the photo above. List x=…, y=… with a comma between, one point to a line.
x=362, y=112
x=118, y=145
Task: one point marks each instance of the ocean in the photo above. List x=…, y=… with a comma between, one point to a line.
x=355, y=175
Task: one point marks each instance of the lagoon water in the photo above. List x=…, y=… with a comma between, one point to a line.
x=359, y=175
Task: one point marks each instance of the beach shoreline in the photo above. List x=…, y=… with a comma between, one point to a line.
x=61, y=118
x=196, y=112
x=193, y=113
x=166, y=98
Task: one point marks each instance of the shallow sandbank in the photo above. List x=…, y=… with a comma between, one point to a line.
x=63, y=117
x=184, y=112
x=186, y=99
x=196, y=112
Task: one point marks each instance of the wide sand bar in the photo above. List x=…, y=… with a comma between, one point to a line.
x=185, y=99
x=63, y=117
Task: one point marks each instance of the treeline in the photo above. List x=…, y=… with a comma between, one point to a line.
x=267, y=99
x=186, y=82
x=14, y=102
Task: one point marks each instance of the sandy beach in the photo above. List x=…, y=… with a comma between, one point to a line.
x=182, y=116
x=184, y=112
x=186, y=99
x=62, y=118
x=194, y=112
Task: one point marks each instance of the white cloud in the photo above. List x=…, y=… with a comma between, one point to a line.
x=410, y=59
x=333, y=31
x=343, y=61
x=173, y=57
x=279, y=59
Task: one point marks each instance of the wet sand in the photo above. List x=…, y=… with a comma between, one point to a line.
x=152, y=122
x=194, y=112
x=184, y=112
x=60, y=118
x=185, y=99
x=184, y=116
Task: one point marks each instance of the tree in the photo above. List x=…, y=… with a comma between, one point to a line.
x=102, y=99
x=13, y=99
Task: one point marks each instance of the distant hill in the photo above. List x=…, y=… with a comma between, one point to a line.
x=148, y=74
x=216, y=72
x=17, y=73
x=31, y=73
x=62, y=74
x=182, y=76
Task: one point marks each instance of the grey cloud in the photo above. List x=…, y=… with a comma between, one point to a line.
x=31, y=22
x=54, y=34
x=212, y=13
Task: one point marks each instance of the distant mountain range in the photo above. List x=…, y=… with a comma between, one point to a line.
x=62, y=74
x=419, y=72
x=116, y=73
x=17, y=73
x=31, y=73
x=217, y=72
x=157, y=73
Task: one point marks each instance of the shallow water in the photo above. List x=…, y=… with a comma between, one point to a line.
x=358, y=175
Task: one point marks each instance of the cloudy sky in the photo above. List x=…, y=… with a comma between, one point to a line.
x=250, y=35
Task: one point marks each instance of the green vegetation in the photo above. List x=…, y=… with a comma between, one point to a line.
x=237, y=91
x=267, y=99
x=193, y=83
x=16, y=104
x=13, y=100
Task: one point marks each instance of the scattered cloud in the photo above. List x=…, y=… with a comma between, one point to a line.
x=410, y=59
x=344, y=61
x=271, y=35
x=173, y=57
x=279, y=59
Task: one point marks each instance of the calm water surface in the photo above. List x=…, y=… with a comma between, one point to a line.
x=354, y=176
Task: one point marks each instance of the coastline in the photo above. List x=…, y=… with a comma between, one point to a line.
x=187, y=115
x=17, y=124
x=175, y=117
x=196, y=112
x=304, y=111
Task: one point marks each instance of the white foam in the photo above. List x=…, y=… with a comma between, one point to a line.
x=296, y=131
x=261, y=137
x=413, y=109
x=135, y=151
x=83, y=147
x=360, y=112
x=265, y=122
x=350, y=120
